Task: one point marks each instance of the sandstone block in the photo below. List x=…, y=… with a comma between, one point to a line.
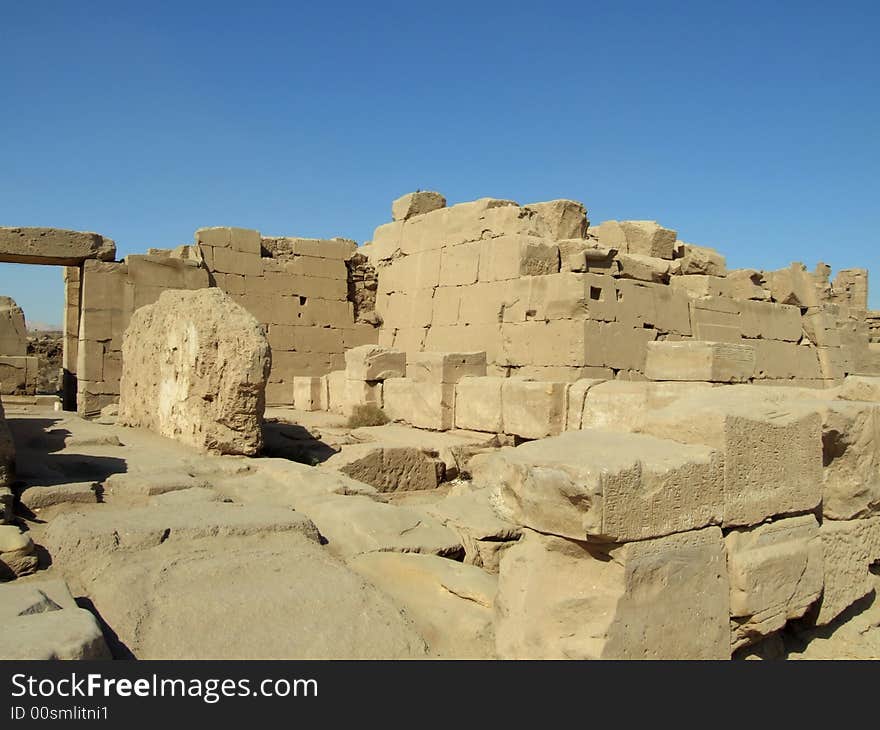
x=794, y=285
x=565, y=218
x=700, y=260
x=363, y=392
x=561, y=599
x=848, y=547
x=307, y=393
x=13, y=332
x=747, y=284
x=716, y=362
x=413, y=204
x=444, y=367
x=619, y=405
x=642, y=268
x=776, y=573
x=509, y=257
x=699, y=285
x=53, y=246
x=478, y=404
x=605, y=486
x=772, y=450
x=389, y=469
x=195, y=367
x=371, y=362
x=533, y=409
x=648, y=238
x=423, y=405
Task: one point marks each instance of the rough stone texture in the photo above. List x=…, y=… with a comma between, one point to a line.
x=715, y=362
x=389, y=469
x=53, y=246
x=42, y=621
x=619, y=405
x=666, y=598
x=605, y=486
x=700, y=260
x=258, y=597
x=17, y=553
x=194, y=368
x=445, y=367
x=776, y=574
x=851, y=459
x=450, y=604
x=849, y=547
x=566, y=219
x=484, y=534
x=418, y=203
x=372, y=363
x=74, y=538
x=772, y=450
x=39, y=497
x=13, y=332
x=353, y=525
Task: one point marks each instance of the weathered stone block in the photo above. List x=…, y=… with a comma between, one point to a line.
x=444, y=367
x=478, y=404
x=533, y=409
x=371, y=362
x=195, y=367
x=307, y=393
x=776, y=573
x=716, y=362
x=604, y=486
x=563, y=599
x=564, y=218
x=413, y=204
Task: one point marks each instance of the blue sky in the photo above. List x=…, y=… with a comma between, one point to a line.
x=751, y=127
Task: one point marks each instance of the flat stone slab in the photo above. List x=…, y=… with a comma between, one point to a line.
x=53, y=246
x=75, y=537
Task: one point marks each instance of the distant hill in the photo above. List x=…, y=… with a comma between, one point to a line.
x=43, y=327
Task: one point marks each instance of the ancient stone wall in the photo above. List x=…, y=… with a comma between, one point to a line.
x=304, y=290
x=549, y=298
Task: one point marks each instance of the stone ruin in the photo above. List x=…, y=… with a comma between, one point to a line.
x=587, y=442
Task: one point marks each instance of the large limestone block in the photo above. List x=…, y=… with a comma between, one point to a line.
x=18, y=375
x=648, y=238
x=356, y=524
x=605, y=486
x=257, y=597
x=666, y=598
x=445, y=367
x=71, y=634
x=391, y=468
x=43, y=622
x=484, y=534
x=700, y=260
x=423, y=405
x=566, y=219
x=619, y=405
x=478, y=403
x=17, y=553
x=371, y=362
x=451, y=604
x=858, y=387
x=716, y=362
x=849, y=547
x=195, y=366
x=510, y=257
x=362, y=393
x=533, y=409
x=307, y=393
x=772, y=450
x=413, y=204
x=13, y=332
x=747, y=284
x=794, y=285
x=578, y=392
x=73, y=539
x=776, y=573
x=851, y=459
x=53, y=246
x=642, y=268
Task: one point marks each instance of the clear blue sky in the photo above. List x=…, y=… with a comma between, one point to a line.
x=749, y=126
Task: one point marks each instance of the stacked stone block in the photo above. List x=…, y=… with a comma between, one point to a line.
x=735, y=509
x=550, y=298
x=299, y=289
